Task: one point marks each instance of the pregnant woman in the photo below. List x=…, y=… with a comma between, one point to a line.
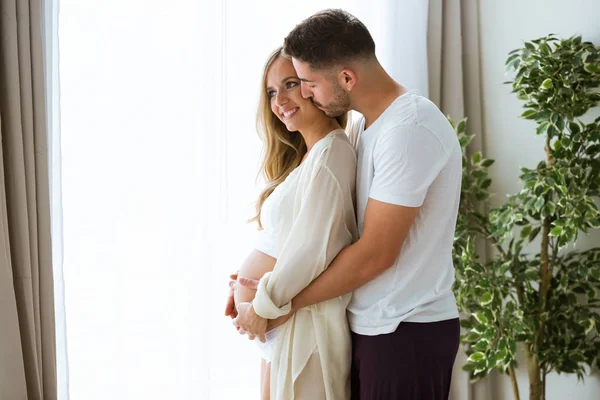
x=306, y=217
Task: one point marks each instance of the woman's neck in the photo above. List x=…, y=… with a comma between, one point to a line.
x=317, y=131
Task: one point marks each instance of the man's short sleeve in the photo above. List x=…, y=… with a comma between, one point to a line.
x=407, y=159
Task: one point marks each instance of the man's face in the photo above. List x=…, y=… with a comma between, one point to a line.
x=325, y=92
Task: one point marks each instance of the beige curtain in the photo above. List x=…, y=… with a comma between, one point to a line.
x=454, y=85
x=27, y=334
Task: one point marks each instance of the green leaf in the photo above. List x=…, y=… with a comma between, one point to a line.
x=502, y=345
x=549, y=181
x=481, y=318
x=549, y=209
x=558, y=222
x=479, y=174
x=514, y=64
x=538, y=190
x=462, y=126
x=481, y=196
x=532, y=275
x=590, y=325
x=560, y=124
x=541, y=129
x=512, y=345
x=518, y=217
x=547, y=84
x=563, y=190
x=466, y=140
x=574, y=127
x=529, y=114
x=556, y=231
x=594, y=223
x=557, y=145
x=525, y=231
x=502, y=354
x=486, y=298
x=465, y=323
x=487, y=162
x=476, y=158
x=564, y=281
x=539, y=204
x=592, y=68
x=511, y=59
x=476, y=357
x=534, y=234
x=469, y=367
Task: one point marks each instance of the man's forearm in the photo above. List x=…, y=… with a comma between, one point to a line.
x=352, y=268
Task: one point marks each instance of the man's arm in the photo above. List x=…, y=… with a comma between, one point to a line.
x=386, y=228
x=407, y=159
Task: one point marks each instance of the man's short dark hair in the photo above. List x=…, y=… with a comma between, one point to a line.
x=328, y=38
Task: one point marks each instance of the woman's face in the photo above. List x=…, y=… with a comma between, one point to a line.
x=287, y=103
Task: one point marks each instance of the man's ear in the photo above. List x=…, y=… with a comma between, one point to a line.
x=347, y=79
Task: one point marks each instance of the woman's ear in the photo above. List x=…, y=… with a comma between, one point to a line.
x=347, y=79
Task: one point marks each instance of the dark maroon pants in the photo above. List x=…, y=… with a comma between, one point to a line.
x=413, y=363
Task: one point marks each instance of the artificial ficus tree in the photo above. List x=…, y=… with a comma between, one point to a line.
x=547, y=298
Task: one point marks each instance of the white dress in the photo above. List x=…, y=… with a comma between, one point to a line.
x=315, y=221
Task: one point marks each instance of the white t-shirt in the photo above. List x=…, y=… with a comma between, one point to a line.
x=409, y=156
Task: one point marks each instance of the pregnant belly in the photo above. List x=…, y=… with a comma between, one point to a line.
x=254, y=267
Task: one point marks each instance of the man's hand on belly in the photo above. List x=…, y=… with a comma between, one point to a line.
x=272, y=323
x=249, y=322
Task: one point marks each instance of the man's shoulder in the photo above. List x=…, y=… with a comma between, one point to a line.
x=410, y=109
x=420, y=116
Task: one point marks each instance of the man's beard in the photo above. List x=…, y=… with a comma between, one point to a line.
x=339, y=106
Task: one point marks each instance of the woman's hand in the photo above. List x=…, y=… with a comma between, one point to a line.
x=230, y=310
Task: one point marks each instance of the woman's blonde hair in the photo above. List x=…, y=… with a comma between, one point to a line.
x=283, y=150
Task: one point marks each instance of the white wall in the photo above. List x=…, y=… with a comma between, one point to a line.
x=504, y=25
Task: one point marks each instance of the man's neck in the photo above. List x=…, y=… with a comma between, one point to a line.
x=378, y=90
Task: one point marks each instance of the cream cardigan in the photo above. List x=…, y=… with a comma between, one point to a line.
x=316, y=221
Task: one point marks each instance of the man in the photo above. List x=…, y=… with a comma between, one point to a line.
x=403, y=315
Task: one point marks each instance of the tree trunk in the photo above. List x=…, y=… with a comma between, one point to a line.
x=535, y=376
x=544, y=384
x=536, y=385
x=513, y=381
